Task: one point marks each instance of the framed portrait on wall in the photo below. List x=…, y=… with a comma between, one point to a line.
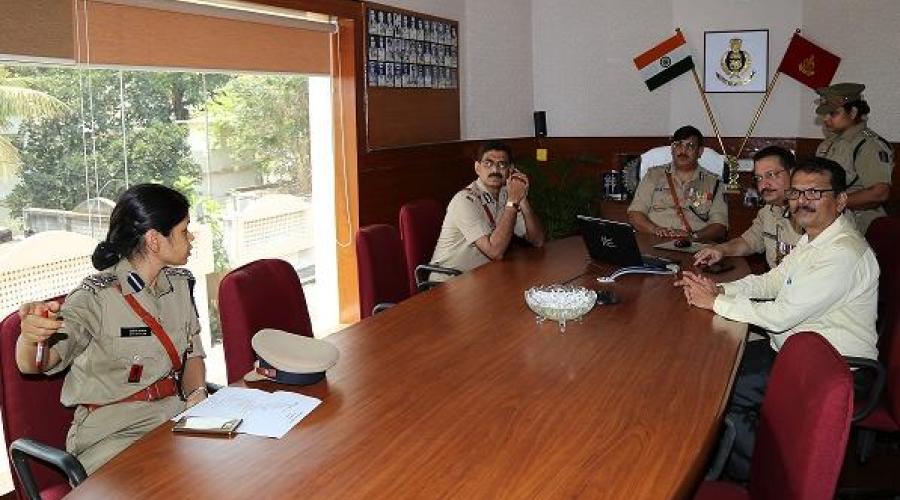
x=736, y=61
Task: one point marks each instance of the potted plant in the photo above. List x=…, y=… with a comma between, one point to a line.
x=558, y=191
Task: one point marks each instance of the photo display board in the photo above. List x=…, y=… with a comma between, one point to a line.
x=411, y=51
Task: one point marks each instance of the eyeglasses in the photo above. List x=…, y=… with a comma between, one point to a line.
x=502, y=165
x=688, y=145
x=771, y=174
x=809, y=194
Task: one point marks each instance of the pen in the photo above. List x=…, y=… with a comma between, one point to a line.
x=39, y=354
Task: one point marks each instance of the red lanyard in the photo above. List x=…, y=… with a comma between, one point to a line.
x=155, y=327
x=490, y=216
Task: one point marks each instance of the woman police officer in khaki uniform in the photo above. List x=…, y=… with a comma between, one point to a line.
x=867, y=158
x=129, y=334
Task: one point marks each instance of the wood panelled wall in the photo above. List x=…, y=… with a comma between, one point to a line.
x=388, y=178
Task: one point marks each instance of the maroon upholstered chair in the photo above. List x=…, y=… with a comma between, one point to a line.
x=803, y=427
x=420, y=227
x=33, y=417
x=885, y=416
x=382, y=270
x=883, y=235
x=262, y=294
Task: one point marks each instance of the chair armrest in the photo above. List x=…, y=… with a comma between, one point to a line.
x=381, y=307
x=23, y=449
x=212, y=388
x=423, y=271
x=875, y=390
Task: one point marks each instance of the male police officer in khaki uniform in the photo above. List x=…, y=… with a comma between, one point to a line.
x=681, y=199
x=773, y=231
x=484, y=215
x=867, y=158
x=121, y=376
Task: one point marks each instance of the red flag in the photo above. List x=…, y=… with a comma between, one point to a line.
x=808, y=63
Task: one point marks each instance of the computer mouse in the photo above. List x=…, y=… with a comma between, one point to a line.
x=682, y=243
x=606, y=297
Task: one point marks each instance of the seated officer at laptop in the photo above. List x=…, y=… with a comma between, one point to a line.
x=774, y=232
x=681, y=199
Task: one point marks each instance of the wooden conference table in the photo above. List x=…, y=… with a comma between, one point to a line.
x=459, y=393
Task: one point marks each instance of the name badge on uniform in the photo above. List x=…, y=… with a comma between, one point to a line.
x=135, y=331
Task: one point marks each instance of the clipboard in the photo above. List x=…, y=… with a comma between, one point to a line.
x=213, y=426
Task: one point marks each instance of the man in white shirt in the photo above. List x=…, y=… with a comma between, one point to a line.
x=827, y=284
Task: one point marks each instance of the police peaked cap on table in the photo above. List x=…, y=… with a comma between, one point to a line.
x=288, y=358
x=835, y=96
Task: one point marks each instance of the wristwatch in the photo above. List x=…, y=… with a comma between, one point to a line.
x=513, y=205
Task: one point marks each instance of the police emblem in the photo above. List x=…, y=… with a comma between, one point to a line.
x=736, y=65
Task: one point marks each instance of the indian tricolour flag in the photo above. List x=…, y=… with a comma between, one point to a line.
x=664, y=62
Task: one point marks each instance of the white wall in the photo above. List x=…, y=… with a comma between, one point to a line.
x=584, y=77
x=734, y=112
x=498, y=83
x=866, y=37
x=573, y=59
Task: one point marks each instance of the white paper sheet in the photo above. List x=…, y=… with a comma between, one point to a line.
x=268, y=414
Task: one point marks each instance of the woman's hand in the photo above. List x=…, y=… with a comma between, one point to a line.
x=40, y=320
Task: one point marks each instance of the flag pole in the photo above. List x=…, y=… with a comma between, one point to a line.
x=729, y=160
x=760, y=109
x=709, y=113
x=758, y=113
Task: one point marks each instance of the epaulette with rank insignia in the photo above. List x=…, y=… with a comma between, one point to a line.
x=96, y=282
x=187, y=275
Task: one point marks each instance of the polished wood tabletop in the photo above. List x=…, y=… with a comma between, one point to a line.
x=459, y=393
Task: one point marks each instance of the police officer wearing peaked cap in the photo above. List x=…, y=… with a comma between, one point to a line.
x=866, y=157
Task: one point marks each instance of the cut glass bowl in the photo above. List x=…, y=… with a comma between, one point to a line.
x=560, y=303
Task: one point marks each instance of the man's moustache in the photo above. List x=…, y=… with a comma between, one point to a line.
x=495, y=175
x=805, y=209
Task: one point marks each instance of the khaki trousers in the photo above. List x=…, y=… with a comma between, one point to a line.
x=97, y=436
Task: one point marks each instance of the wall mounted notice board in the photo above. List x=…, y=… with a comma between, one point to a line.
x=412, y=78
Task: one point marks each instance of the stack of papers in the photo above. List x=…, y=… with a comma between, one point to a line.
x=268, y=414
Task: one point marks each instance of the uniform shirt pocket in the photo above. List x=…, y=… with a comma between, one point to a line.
x=662, y=199
x=139, y=351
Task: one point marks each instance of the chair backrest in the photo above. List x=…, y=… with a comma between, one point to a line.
x=262, y=294
x=420, y=227
x=711, y=160
x=30, y=406
x=889, y=353
x=804, y=422
x=883, y=235
x=382, y=270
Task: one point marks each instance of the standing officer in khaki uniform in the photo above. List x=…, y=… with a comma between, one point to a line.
x=773, y=231
x=681, y=199
x=867, y=158
x=483, y=216
x=129, y=335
